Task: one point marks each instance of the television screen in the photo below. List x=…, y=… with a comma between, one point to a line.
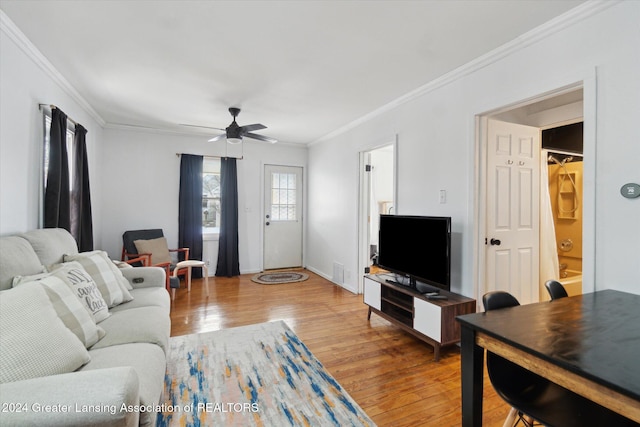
x=418, y=248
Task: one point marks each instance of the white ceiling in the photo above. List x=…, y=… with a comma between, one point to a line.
x=302, y=68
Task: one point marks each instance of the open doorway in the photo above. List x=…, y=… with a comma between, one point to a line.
x=377, y=196
x=516, y=134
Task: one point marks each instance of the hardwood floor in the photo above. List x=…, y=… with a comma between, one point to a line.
x=389, y=373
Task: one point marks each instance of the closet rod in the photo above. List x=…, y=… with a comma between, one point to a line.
x=51, y=107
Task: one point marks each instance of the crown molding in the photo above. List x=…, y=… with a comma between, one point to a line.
x=559, y=23
x=13, y=32
x=571, y=17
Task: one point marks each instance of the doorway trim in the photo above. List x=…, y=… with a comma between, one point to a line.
x=363, y=204
x=588, y=84
x=263, y=197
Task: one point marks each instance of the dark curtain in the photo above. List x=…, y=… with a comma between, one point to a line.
x=228, y=260
x=190, y=208
x=81, y=219
x=56, y=193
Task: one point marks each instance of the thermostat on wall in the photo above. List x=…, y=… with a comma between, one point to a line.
x=630, y=191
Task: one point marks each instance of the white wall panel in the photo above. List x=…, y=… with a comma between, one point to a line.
x=436, y=147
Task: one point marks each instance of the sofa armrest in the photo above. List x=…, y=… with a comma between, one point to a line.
x=145, y=277
x=79, y=398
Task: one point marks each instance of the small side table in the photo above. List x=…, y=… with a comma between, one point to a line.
x=189, y=264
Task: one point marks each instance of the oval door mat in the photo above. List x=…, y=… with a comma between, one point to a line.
x=277, y=278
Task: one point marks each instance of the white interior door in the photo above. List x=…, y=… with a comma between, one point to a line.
x=513, y=185
x=283, y=217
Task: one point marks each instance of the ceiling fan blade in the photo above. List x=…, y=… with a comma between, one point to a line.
x=250, y=128
x=217, y=138
x=197, y=126
x=260, y=137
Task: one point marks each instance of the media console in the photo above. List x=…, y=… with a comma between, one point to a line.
x=430, y=320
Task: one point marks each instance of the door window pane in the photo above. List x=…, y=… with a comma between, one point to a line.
x=283, y=197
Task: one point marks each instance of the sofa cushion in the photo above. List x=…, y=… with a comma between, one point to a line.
x=106, y=390
x=137, y=325
x=68, y=307
x=50, y=244
x=17, y=258
x=83, y=287
x=146, y=297
x=147, y=360
x=158, y=249
x=34, y=342
x=110, y=281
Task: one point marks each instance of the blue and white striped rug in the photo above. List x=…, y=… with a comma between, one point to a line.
x=257, y=375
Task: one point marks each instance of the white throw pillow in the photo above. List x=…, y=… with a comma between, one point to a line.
x=110, y=281
x=68, y=307
x=84, y=288
x=34, y=342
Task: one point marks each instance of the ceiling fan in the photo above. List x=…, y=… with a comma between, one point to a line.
x=234, y=133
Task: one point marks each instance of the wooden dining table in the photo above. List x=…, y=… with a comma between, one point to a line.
x=589, y=344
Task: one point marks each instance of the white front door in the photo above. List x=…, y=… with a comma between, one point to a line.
x=282, y=217
x=513, y=185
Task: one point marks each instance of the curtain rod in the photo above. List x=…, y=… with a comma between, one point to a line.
x=52, y=107
x=209, y=157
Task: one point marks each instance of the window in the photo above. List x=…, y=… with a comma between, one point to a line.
x=70, y=149
x=71, y=166
x=210, y=195
x=283, y=197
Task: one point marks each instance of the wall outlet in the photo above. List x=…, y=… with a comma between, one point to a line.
x=443, y=196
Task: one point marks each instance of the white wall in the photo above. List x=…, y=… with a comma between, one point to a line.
x=24, y=84
x=141, y=176
x=437, y=142
x=134, y=175
x=436, y=150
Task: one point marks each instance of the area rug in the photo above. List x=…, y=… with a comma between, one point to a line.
x=257, y=375
x=279, y=277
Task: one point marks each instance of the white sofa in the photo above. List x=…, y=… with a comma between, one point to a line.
x=125, y=367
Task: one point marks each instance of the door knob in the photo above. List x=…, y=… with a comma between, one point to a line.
x=267, y=223
x=495, y=242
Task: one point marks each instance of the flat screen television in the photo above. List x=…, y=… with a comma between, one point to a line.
x=417, y=249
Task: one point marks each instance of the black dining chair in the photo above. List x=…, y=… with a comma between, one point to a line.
x=555, y=289
x=536, y=400
x=508, y=379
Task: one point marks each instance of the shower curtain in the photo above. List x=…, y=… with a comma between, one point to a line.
x=549, y=264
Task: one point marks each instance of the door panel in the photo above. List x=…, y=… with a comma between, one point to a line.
x=512, y=210
x=283, y=217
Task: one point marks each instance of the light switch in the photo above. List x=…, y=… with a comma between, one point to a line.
x=443, y=196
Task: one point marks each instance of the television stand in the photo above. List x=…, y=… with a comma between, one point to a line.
x=430, y=320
